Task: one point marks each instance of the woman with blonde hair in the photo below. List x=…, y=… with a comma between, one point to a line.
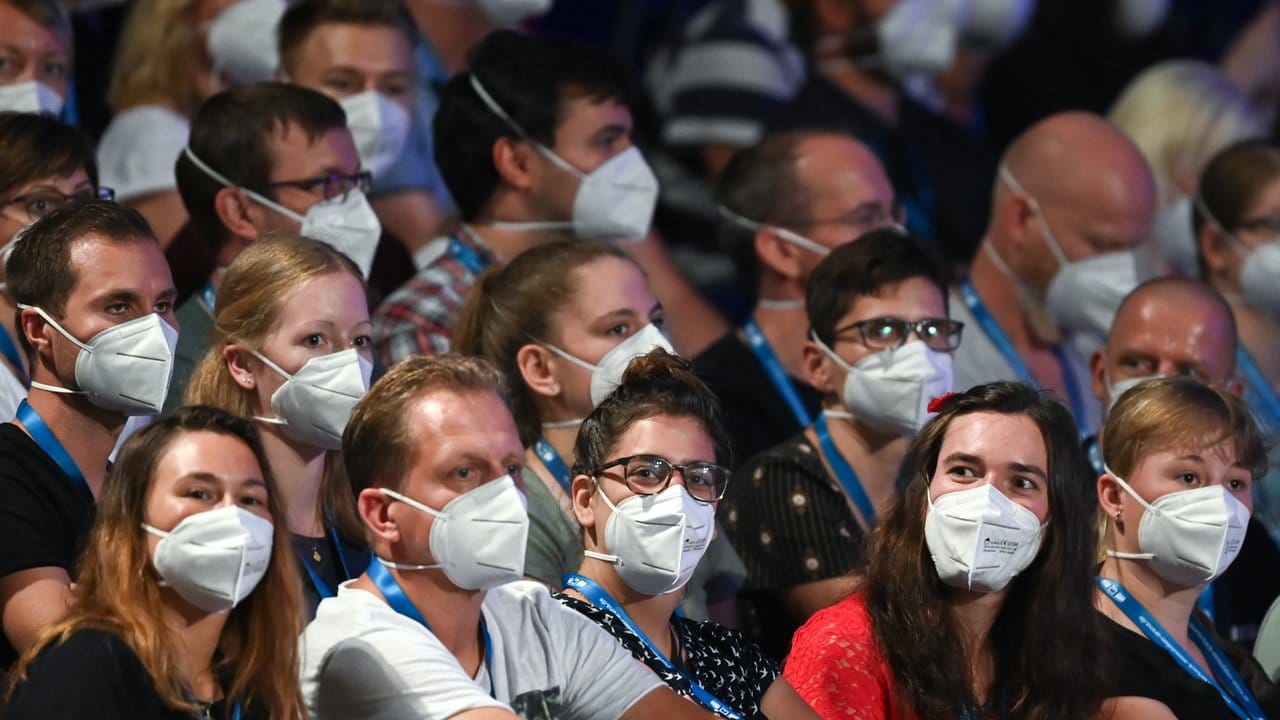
x=290, y=348
x=188, y=600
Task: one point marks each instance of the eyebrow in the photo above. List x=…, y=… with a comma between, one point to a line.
x=1014, y=466
x=1025, y=468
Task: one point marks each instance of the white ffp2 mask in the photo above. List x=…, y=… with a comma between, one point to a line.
x=890, y=389
x=32, y=97
x=214, y=559
x=379, y=126
x=315, y=403
x=607, y=374
x=979, y=539
x=656, y=540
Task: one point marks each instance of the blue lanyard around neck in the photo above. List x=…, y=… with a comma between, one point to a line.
x=1264, y=395
x=782, y=382
x=844, y=473
x=554, y=464
x=10, y=351
x=396, y=598
x=469, y=258
x=1239, y=699
x=44, y=437
x=322, y=587
x=604, y=601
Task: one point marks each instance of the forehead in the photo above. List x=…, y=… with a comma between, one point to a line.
x=446, y=423
x=841, y=171
x=328, y=296
x=19, y=30
x=100, y=262
x=297, y=156
x=581, y=116
x=678, y=438
x=376, y=47
x=610, y=283
x=202, y=451
x=911, y=299
x=1181, y=324
x=997, y=438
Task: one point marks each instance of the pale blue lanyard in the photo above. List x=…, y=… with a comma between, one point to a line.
x=469, y=258
x=554, y=464
x=601, y=599
x=44, y=437
x=844, y=472
x=1239, y=699
x=759, y=345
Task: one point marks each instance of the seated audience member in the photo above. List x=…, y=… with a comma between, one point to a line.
x=440, y=626
x=561, y=321
x=361, y=53
x=96, y=314
x=187, y=603
x=534, y=143
x=44, y=166
x=880, y=346
x=650, y=460
x=941, y=624
x=36, y=35
x=1181, y=457
x=160, y=75
x=784, y=204
x=290, y=349
x=1056, y=259
x=268, y=158
x=1180, y=113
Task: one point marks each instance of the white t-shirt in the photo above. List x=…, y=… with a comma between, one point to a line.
x=361, y=659
x=138, y=150
x=12, y=391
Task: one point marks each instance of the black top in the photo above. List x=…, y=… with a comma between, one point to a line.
x=319, y=555
x=755, y=414
x=95, y=674
x=792, y=524
x=46, y=515
x=723, y=661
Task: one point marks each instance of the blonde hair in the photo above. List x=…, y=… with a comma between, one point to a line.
x=249, y=304
x=157, y=59
x=1180, y=113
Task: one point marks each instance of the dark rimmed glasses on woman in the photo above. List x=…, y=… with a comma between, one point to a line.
x=650, y=474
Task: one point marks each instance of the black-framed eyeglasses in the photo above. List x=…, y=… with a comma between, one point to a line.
x=1266, y=223
x=334, y=185
x=43, y=201
x=650, y=474
x=865, y=217
x=887, y=333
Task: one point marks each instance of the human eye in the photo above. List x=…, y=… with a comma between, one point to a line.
x=163, y=307
x=118, y=308
x=199, y=493
x=341, y=85
x=621, y=329
x=41, y=205
x=466, y=472
x=1022, y=482
x=1188, y=478
x=10, y=66
x=313, y=340
x=54, y=69
x=1238, y=484
x=362, y=341
x=962, y=471
x=1138, y=364
x=515, y=470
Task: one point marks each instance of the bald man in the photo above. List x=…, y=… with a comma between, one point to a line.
x=1073, y=198
x=784, y=204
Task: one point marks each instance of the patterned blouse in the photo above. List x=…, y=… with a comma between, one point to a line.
x=722, y=660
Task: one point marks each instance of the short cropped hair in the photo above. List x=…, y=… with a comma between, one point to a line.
x=39, y=147
x=302, y=18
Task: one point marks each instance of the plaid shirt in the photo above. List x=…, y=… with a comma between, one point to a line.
x=420, y=316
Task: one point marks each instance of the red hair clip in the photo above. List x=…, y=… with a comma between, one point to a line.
x=936, y=403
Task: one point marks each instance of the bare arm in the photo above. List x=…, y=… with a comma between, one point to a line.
x=164, y=210
x=782, y=701
x=32, y=601
x=693, y=324
x=807, y=599
x=662, y=703
x=1134, y=708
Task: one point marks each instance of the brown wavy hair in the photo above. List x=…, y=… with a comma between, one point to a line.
x=1046, y=639
x=120, y=591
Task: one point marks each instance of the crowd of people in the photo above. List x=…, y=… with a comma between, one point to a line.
x=383, y=359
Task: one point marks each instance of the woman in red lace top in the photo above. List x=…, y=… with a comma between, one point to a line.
x=975, y=596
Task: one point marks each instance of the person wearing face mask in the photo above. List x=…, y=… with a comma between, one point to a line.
x=441, y=625
x=95, y=311
x=647, y=479
x=973, y=599
x=289, y=348
x=561, y=322
x=784, y=204
x=187, y=601
x=522, y=176
x=36, y=76
x=1055, y=261
x=879, y=347
x=1180, y=460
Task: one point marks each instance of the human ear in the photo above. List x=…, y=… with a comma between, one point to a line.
x=779, y=254
x=372, y=506
x=512, y=160
x=240, y=365
x=240, y=216
x=535, y=366
x=817, y=369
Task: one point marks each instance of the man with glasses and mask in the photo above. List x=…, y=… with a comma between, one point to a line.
x=784, y=205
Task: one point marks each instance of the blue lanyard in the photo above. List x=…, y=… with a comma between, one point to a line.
x=1004, y=345
x=602, y=600
x=44, y=437
x=208, y=296
x=554, y=464
x=1239, y=695
x=235, y=711
x=469, y=258
x=395, y=596
x=10, y=352
x=759, y=345
x=844, y=473
x=1264, y=396
x=322, y=587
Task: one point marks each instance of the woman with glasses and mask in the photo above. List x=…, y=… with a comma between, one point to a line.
x=879, y=348
x=45, y=164
x=648, y=473
x=1180, y=460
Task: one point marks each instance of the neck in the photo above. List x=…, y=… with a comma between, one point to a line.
x=786, y=330
x=1170, y=605
x=451, y=29
x=875, y=456
x=652, y=613
x=86, y=431
x=299, y=471
x=507, y=243
x=1001, y=299
x=868, y=90
x=198, y=633
x=975, y=613
x=452, y=613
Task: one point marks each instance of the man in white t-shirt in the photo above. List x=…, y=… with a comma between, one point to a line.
x=437, y=628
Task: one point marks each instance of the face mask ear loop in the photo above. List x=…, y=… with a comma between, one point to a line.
x=611, y=559
x=1050, y=240
x=510, y=122
x=222, y=180
x=417, y=506
x=1120, y=481
x=813, y=335
x=61, y=331
x=789, y=235
x=565, y=354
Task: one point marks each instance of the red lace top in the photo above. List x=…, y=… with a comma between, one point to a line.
x=837, y=667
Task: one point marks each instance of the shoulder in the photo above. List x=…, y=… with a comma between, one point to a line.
x=90, y=647
x=780, y=467
x=24, y=464
x=104, y=666
x=845, y=626
x=138, y=123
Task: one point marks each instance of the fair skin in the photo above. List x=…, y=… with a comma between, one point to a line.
x=848, y=195
x=1008, y=453
x=1157, y=474
x=875, y=456
x=129, y=279
x=30, y=51
x=342, y=60
x=325, y=314
x=473, y=440
x=198, y=472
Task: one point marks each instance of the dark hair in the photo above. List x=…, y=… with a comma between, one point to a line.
x=760, y=183
x=37, y=147
x=530, y=77
x=511, y=305
x=302, y=18
x=1047, y=634
x=1230, y=185
x=655, y=384
x=863, y=268
x=48, y=14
